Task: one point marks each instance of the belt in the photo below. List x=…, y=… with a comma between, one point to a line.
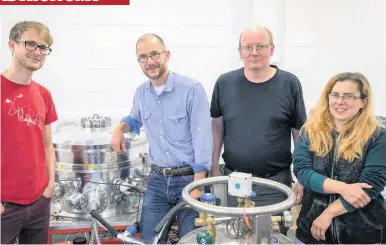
x=177, y=171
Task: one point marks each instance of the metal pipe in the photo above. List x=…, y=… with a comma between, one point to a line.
x=92, y=236
x=222, y=219
x=233, y=211
x=96, y=232
x=130, y=240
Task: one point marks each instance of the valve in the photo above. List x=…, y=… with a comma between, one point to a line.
x=204, y=237
x=248, y=203
x=286, y=218
x=208, y=236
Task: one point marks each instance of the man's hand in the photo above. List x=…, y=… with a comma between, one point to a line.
x=198, y=176
x=299, y=192
x=320, y=225
x=49, y=191
x=196, y=193
x=118, y=142
x=355, y=195
x=2, y=208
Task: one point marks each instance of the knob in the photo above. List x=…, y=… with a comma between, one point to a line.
x=204, y=238
x=208, y=197
x=131, y=230
x=287, y=218
x=252, y=195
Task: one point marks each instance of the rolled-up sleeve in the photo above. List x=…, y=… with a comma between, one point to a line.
x=134, y=119
x=201, y=128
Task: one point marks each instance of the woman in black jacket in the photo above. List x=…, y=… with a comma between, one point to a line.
x=340, y=159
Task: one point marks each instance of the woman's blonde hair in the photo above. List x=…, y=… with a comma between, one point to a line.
x=355, y=133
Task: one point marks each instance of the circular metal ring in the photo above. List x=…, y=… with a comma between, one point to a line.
x=233, y=211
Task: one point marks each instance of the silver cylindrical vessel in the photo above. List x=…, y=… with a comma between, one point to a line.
x=90, y=175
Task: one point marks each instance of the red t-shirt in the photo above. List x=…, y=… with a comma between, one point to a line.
x=25, y=109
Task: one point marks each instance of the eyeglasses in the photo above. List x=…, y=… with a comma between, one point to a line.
x=32, y=46
x=153, y=55
x=345, y=97
x=260, y=48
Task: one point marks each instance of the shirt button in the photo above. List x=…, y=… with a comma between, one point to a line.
x=160, y=120
x=167, y=153
x=158, y=102
x=161, y=136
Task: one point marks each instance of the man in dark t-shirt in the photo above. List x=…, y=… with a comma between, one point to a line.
x=255, y=109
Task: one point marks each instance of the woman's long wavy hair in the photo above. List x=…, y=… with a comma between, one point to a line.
x=355, y=133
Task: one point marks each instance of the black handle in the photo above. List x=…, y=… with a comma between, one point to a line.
x=104, y=223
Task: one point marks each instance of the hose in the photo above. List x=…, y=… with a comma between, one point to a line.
x=103, y=222
x=236, y=227
x=113, y=232
x=166, y=218
x=162, y=226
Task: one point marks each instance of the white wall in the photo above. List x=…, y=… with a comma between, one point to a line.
x=324, y=37
x=93, y=67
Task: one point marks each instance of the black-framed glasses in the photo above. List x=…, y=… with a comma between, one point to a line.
x=153, y=55
x=32, y=46
x=345, y=97
x=259, y=48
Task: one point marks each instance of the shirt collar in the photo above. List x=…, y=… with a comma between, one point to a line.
x=168, y=85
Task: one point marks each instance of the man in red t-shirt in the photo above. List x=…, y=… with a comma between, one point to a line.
x=27, y=152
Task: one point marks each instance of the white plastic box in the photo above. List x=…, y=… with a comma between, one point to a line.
x=240, y=184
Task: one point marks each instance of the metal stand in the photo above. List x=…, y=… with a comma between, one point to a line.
x=261, y=230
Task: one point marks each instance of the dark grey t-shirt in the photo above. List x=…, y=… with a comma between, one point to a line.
x=258, y=118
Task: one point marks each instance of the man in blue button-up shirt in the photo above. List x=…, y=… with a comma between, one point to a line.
x=174, y=111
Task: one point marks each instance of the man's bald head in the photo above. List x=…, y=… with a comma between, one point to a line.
x=152, y=56
x=257, y=30
x=256, y=48
x=150, y=38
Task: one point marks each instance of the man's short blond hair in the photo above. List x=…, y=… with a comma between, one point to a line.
x=19, y=28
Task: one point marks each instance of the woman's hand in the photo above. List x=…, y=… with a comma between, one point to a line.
x=355, y=195
x=320, y=225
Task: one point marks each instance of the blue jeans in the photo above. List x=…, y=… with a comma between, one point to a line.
x=164, y=192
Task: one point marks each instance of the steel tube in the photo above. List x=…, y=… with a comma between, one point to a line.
x=233, y=211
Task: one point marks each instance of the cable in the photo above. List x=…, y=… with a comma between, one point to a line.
x=246, y=220
x=236, y=227
x=132, y=188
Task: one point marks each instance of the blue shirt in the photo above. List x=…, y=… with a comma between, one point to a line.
x=177, y=123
